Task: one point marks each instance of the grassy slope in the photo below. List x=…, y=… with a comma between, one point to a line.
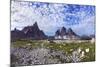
x=66, y=47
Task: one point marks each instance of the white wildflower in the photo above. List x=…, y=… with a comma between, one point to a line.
x=82, y=54
x=71, y=49
x=87, y=50
x=79, y=50
x=28, y=44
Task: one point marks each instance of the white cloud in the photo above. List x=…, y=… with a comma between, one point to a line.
x=86, y=26
x=49, y=18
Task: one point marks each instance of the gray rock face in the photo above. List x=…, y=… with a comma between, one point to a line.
x=34, y=32
x=61, y=32
x=29, y=32
x=17, y=34
x=71, y=32
x=64, y=33
x=23, y=56
x=57, y=33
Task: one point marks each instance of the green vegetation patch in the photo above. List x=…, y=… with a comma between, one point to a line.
x=65, y=47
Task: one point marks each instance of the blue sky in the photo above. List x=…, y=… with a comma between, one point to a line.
x=53, y=16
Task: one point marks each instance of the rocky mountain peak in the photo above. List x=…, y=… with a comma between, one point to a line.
x=31, y=32
x=63, y=31
x=70, y=32
x=57, y=33
x=35, y=25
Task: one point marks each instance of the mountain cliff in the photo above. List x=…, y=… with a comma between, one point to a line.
x=29, y=32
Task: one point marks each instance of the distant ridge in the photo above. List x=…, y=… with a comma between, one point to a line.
x=64, y=33
x=33, y=32
x=29, y=32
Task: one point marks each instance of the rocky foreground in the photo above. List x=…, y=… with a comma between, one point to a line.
x=23, y=56
x=26, y=53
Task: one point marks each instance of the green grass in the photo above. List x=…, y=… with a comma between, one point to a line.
x=65, y=47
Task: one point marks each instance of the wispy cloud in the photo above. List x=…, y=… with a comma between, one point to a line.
x=51, y=16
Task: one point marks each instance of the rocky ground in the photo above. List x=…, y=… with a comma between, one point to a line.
x=27, y=55
x=22, y=56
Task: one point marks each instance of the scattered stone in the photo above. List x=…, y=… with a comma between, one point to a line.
x=42, y=55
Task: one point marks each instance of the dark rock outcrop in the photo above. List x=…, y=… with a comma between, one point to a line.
x=17, y=34
x=57, y=33
x=64, y=33
x=85, y=37
x=70, y=32
x=29, y=32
